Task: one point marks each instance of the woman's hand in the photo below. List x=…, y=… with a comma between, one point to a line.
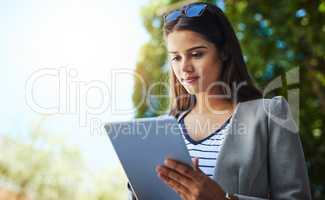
x=189, y=182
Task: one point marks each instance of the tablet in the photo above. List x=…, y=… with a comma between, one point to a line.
x=141, y=145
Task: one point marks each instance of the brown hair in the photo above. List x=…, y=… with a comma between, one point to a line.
x=214, y=26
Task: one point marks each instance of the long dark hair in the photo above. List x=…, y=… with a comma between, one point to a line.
x=214, y=26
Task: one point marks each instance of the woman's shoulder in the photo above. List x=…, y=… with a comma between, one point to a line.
x=276, y=110
x=265, y=101
x=261, y=107
x=277, y=103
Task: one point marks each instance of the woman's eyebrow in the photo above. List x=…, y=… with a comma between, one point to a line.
x=190, y=49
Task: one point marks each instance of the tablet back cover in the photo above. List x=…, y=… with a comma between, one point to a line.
x=141, y=145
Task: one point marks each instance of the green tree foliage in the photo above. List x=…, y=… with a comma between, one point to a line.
x=42, y=166
x=150, y=64
x=276, y=37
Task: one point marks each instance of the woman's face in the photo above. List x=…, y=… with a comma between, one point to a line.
x=194, y=61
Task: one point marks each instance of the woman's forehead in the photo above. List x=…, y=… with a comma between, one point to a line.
x=180, y=41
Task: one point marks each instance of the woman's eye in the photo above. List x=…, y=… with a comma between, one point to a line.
x=197, y=55
x=176, y=58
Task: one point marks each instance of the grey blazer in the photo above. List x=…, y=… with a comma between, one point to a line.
x=262, y=156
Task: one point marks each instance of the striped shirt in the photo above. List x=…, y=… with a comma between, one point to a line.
x=207, y=149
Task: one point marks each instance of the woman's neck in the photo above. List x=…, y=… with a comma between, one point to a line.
x=211, y=104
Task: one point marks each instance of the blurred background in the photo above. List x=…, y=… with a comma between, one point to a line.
x=68, y=67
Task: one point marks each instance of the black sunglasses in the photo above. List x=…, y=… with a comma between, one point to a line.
x=193, y=10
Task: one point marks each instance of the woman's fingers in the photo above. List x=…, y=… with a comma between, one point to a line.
x=195, y=162
x=164, y=171
x=178, y=187
x=183, y=169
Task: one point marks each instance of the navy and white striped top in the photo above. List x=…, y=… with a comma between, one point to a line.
x=207, y=149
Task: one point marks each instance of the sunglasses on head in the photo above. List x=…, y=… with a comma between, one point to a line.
x=193, y=10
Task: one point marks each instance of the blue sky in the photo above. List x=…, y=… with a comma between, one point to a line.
x=89, y=39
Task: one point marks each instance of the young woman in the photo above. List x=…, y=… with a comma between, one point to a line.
x=244, y=146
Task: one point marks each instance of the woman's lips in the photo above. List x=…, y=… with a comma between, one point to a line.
x=190, y=80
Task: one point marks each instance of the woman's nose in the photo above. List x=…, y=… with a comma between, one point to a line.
x=187, y=65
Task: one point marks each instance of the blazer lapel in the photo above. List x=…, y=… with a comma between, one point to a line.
x=226, y=171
